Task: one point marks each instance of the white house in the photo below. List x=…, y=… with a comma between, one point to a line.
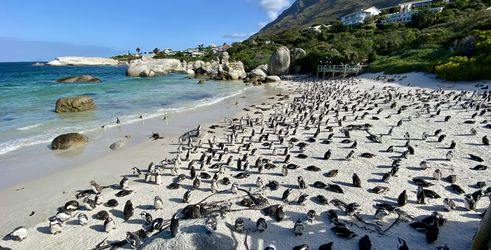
x=404, y=16
x=360, y=16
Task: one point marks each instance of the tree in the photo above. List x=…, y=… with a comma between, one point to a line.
x=138, y=51
x=156, y=51
x=423, y=19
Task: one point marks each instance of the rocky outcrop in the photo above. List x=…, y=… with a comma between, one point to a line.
x=297, y=53
x=154, y=67
x=69, y=140
x=74, y=104
x=82, y=61
x=82, y=78
x=279, y=63
x=259, y=73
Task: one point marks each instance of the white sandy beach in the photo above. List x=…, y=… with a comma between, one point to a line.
x=46, y=194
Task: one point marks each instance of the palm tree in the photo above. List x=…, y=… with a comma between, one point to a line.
x=138, y=50
x=156, y=51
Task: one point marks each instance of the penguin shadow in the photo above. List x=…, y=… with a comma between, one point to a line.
x=384, y=166
x=373, y=180
x=471, y=214
x=176, y=200
x=117, y=213
x=348, y=184
x=437, y=159
x=388, y=200
x=44, y=229
x=72, y=223
x=136, y=221
x=275, y=174
x=249, y=185
x=145, y=207
x=290, y=186
x=98, y=228
x=414, y=168
x=474, y=144
x=186, y=186
x=139, y=181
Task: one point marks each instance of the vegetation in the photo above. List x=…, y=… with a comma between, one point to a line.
x=126, y=58
x=208, y=55
x=455, y=40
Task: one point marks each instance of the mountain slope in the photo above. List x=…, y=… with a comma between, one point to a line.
x=306, y=13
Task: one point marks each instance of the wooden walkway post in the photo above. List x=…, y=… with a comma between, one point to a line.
x=482, y=240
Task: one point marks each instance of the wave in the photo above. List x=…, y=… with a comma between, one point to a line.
x=47, y=136
x=30, y=127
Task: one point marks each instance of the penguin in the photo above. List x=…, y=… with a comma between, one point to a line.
x=365, y=243
x=214, y=186
x=327, y=155
x=485, y=140
x=234, y=188
x=437, y=175
x=158, y=203
x=89, y=204
x=284, y=170
x=380, y=213
x=301, y=247
x=109, y=225
x=63, y=215
x=424, y=165
x=196, y=182
x=72, y=205
x=301, y=183
x=402, y=199
x=259, y=182
x=356, y=180
x=82, y=219
x=401, y=244
x=279, y=214
x=469, y=202
x=432, y=233
x=420, y=195
x=187, y=195
x=147, y=217
x=298, y=228
x=261, y=225
x=285, y=195
x=449, y=204
x=327, y=246
x=239, y=225
x=134, y=240
x=128, y=210
x=124, y=183
x=95, y=187
x=311, y=215
x=55, y=226
x=158, y=178
x=449, y=155
x=174, y=226
x=18, y=234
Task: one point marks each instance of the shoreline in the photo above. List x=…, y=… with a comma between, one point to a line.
x=41, y=191
x=44, y=198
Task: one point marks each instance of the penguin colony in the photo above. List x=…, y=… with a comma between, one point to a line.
x=326, y=122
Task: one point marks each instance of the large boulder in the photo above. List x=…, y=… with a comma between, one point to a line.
x=198, y=64
x=82, y=78
x=69, y=140
x=297, y=53
x=279, y=63
x=82, y=61
x=260, y=72
x=235, y=70
x=74, y=104
x=154, y=67
x=118, y=144
x=273, y=79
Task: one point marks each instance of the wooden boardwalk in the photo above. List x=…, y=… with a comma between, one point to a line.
x=343, y=70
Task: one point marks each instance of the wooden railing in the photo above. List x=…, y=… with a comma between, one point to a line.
x=340, y=69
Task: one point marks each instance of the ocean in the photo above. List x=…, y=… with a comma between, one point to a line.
x=28, y=94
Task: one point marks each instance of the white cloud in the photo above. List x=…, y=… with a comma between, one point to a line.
x=239, y=35
x=273, y=7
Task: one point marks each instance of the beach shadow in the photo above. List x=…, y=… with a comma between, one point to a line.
x=44, y=230
x=117, y=213
x=98, y=228
x=136, y=221
x=145, y=207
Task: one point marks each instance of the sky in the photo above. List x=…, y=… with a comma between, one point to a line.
x=40, y=30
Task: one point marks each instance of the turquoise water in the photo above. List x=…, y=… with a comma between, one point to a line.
x=28, y=95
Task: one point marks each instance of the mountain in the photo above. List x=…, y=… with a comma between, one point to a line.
x=305, y=13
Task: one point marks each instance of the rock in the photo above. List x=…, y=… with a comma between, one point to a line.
x=201, y=81
x=273, y=79
x=82, y=78
x=193, y=235
x=69, y=140
x=154, y=67
x=82, y=61
x=190, y=72
x=199, y=64
x=259, y=72
x=224, y=57
x=279, y=63
x=234, y=71
x=118, y=144
x=297, y=53
x=74, y=104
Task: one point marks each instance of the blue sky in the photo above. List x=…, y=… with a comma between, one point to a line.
x=43, y=29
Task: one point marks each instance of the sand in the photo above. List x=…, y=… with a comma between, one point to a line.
x=46, y=194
